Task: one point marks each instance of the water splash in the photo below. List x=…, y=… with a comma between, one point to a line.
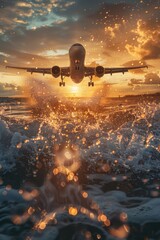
x=52, y=172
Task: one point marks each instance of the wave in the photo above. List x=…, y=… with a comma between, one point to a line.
x=81, y=176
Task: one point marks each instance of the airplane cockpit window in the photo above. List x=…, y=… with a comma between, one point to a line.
x=77, y=61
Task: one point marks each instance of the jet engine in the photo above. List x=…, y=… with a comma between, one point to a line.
x=99, y=71
x=56, y=71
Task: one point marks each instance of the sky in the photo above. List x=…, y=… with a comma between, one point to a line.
x=115, y=33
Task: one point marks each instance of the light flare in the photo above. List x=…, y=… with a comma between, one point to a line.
x=75, y=90
x=67, y=159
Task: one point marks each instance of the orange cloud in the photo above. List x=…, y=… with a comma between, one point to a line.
x=149, y=79
x=112, y=30
x=148, y=40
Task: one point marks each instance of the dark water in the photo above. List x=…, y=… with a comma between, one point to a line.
x=80, y=171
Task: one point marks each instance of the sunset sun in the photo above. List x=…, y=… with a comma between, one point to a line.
x=75, y=89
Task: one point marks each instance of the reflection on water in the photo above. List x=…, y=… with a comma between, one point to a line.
x=79, y=169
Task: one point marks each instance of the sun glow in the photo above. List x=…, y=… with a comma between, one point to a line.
x=75, y=89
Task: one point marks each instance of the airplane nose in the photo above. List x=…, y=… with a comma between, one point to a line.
x=77, y=50
x=77, y=80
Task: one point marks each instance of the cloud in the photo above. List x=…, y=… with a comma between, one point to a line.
x=11, y=86
x=134, y=82
x=16, y=20
x=7, y=89
x=80, y=18
x=148, y=40
x=15, y=13
x=113, y=30
x=152, y=78
x=149, y=79
x=23, y=4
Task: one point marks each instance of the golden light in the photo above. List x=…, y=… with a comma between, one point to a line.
x=55, y=171
x=73, y=211
x=121, y=232
x=102, y=218
x=85, y=194
x=42, y=225
x=67, y=161
x=68, y=155
x=70, y=176
x=31, y=210
x=74, y=89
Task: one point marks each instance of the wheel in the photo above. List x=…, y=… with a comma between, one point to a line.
x=60, y=84
x=92, y=84
x=89, y=84
x=64, y=84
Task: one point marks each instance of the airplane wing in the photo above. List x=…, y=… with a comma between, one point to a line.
x=90, y=71
x=64, y=70
x=33, y=70
x=122, y=70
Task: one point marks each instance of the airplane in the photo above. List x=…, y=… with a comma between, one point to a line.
x=77, y=69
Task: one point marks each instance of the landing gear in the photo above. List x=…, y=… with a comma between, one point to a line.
x=91, y=83
x=62, y=83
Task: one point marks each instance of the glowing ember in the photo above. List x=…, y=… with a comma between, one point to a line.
x=98, y=236
x=42, y=225
x=70, y=176
x=55, y=171
x=102, y=218
x=73, y=211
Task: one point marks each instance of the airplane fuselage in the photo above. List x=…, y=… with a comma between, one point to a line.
x=77, y=58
